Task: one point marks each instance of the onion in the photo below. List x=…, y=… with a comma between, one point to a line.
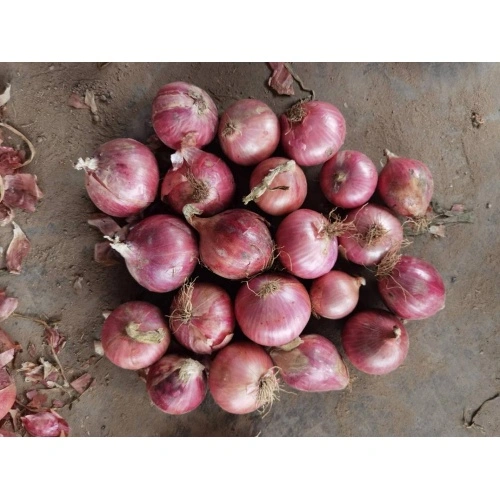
x=202, y=317
x=121, y=178
x=312, y=132
x=201, y=179
x=375, y=341
x=249, y=132
x=135, y=335
x=7, y=392
x=405, y=186
x=278, y=186
x=46, y=424
x=160, y=252
x=272, y=309
x=184, y=116
x=375, y=232
x=414, y=289
x=311, y=363
x=242, y=378
x=234, y=244
x=176, y=384
x=307, y=243
x=349, y=179
x=335, y=294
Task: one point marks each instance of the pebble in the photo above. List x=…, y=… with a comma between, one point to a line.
x=51, y=68
x=488, y=205
x=40, y=139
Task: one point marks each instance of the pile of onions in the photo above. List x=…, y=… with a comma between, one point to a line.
x=184, y=116
x=249, y=132
x=278, y=186
x=7, y=392
x=312, y=132
x=135, y=335
x=121, y=178
x=272, y=309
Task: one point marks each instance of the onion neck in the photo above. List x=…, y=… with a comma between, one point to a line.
x=189, y=369
x=229, y=129
x=360, y=281
x=121, y=247
x=89, y=164
x=291, y=345
x=396, y=332
x=184, y=311
x=389, y=155
x=190, y=211
x=265, y=184
x=268, y=288
x=149, y=337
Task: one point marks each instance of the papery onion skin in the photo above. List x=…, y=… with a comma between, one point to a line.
x=203, y=180
x=177, y=384
x=7, y=392
x=184, y=115
x=311, y=364
x=45, y=424
x=349, y=179
x=405, y=185
x=414, y=289
x=272, y=309
x=335, y=294
x=375, y=341
x=242, y=379
x=249, y=132
x=306, y=247
x=202, y=317
x=160, y=252
x=314, y=132
x=123, y=335
x=357, y=247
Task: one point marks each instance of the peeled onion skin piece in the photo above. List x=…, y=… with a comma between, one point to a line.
x=7, y=392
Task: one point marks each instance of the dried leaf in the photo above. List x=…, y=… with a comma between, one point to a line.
x=7, y=305
x=90, y=101
x=21, y=191
x=81, y=383
x=437, y=231
x=75, y=101
x=98, y=349
x=54, y=339
x=6, y=214
x=45, y=424
x=104, y=254
x=10, y=160
x=17, y=251
x=5, y=96
x=6, y=357
x=7, y=392
x=281, y=80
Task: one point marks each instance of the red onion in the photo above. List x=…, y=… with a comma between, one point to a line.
x=311, y=363
x=176, y=384
x=307, y=243
x=135, y=335
x=184, y=116
x=335, y=294
x=414, y=289
x=201, y=179
x=234, y=244
x=7, y=392
x=375, y=341
x=272, y=309
x=160, y=252
x=202, y=317
x=312, y=132
x=121, y=178
x=278, y=186
x=375, y=232
x=242, y=378
x=46, y=424
x=249, y=132
x=405, y=185
x=349, y=179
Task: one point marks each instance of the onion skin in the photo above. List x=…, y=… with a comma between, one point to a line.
x=160, y=252
x=249, y=132
x=312, y=364
x=349, y=179
x=45, y=424
x=176, y=384
x=405, y=186
x=272, y=309
x=375, y=341
x=414, y=289
x=7, y=392
x=314, y=138
x=335, y=294
x=123, y=335
x=184, y=116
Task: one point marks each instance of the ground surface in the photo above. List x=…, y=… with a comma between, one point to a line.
x=416, y=110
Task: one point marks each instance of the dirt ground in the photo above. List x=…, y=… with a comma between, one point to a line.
x=422, y=111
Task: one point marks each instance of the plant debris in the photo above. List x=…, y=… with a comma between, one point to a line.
x=21, y=191
x=281, y=80
x=17, y=251
x=81, y=384
x=90, y=101
x=54, y=339
x=476, y=119
x=98, y=349
x=103, y=253
x=75, y=101
x=7, y=306
x=5, y=96
x=46, y=424
x=470, y=422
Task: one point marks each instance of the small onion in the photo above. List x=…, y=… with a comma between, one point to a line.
x=414, y=289
x=311, y=363
x=176, y=384
x=46, y=424
x=202, y=317
x=122, y=177
x=278, y=186
x=242, y=378
x=234, y=244
x=135, y=335
x=249, y=132
x=272, y=309
x=160, y=252
x=335, y=294
x=349, y=179
x=375, y=341
x=7, y=392
x=201, y=179
x=312, y=132
x=184, y=116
